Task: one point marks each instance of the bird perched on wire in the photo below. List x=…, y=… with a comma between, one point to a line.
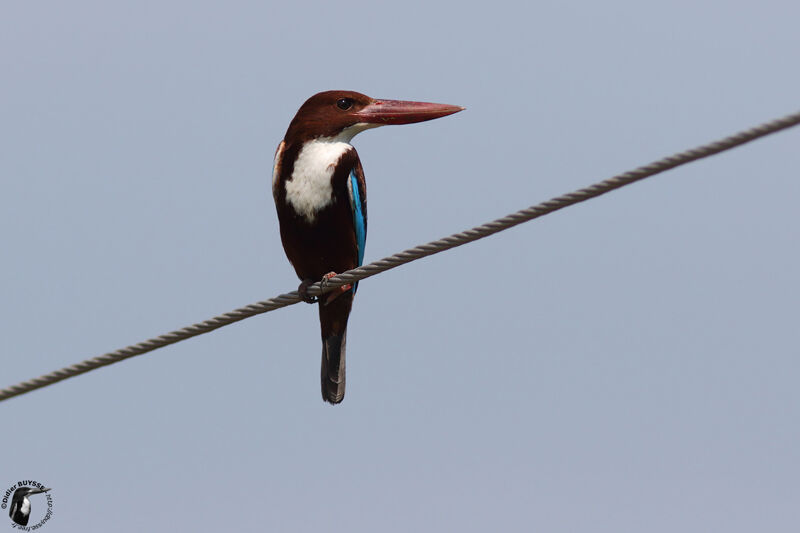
x=321, y=197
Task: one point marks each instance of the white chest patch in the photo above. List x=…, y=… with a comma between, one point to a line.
x=309, y=189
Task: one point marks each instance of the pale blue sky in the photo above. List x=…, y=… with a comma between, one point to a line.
x=629, y=364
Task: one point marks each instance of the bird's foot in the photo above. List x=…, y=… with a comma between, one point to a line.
x=335, y=293
x=303, y=290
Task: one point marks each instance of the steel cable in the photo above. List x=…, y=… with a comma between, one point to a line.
x=412, y=254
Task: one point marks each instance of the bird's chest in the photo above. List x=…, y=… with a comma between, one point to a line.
x=309, y=188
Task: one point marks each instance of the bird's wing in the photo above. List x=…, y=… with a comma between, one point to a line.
x=357, y=189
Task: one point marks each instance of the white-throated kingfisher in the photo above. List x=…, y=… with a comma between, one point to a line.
x=321, y=197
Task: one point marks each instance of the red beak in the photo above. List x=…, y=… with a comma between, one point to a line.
x=400, y=112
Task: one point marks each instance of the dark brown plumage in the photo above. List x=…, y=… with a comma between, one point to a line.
x=321, y=198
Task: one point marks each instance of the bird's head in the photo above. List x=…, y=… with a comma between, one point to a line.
x=340, y=115
x=27, y=491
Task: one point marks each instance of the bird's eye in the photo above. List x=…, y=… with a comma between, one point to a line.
x=344, y=103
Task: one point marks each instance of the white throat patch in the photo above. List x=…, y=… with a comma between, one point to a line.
x=347, y=134
x=309, y=188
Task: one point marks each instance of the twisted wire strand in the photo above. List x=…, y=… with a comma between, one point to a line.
x=406, y=256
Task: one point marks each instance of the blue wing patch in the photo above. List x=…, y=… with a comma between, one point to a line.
x=359, y=222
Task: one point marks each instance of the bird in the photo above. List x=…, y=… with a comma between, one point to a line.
x=20, y=510
x=320, y=195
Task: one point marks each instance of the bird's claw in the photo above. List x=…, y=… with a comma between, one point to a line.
x=335, y=293
x=327, y=297
x=303, y=291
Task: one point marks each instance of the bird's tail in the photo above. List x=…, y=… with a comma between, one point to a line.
x=332, y=375
x=333, y=320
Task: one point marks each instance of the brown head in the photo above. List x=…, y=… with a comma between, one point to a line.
x=343, y=114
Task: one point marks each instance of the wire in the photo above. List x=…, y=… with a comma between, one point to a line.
x=412, y=254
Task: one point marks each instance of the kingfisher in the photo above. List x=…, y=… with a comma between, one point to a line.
x=20, y=510
x=321, y=197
